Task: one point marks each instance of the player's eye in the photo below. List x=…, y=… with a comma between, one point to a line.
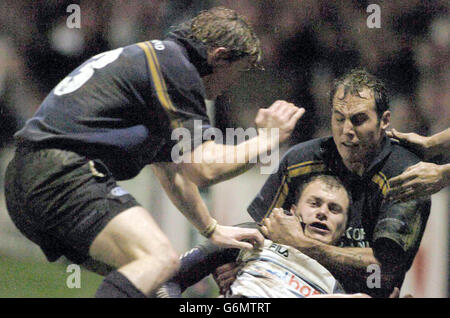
x=334, y=208
x=359, y=119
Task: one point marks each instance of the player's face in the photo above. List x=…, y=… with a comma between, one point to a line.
x=357, y=131
x=324, y=211
x=225, y=75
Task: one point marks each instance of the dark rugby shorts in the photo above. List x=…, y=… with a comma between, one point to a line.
x=61, y=200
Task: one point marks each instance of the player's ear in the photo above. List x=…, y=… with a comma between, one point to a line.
x=385, y=120
x=218, y=56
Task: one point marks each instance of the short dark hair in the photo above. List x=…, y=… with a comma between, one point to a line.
x=331, y=181
x=355, y=81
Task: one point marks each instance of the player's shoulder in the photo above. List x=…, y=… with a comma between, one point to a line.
x=399, y=160
x=309, y=150
x=172, y=54
x=166, y=53
x=176, y=64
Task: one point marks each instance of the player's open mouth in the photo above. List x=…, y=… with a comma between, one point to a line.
x=319, y=227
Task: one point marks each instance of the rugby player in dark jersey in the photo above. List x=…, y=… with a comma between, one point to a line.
x=115, y=114
x=382, y=236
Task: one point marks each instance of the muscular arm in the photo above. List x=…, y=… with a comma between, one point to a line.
x=211, y=162
x=216, y=165
x=186, y=197
x=439, y=143
x=351, y=266
x=427, y=147
x=183, y=193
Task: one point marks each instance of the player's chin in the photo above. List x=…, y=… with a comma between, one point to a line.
x=323, y=238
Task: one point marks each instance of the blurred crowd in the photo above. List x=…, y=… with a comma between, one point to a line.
x=306, y=45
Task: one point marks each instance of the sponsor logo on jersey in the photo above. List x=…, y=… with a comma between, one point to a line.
x=282, y=250
x=292, y=281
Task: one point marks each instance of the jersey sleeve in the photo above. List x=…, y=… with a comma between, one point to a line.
x=198, y=263
x=399, y=226
x=403, y=225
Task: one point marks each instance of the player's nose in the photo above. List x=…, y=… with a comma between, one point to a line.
x=321, y=214
x=348, y=128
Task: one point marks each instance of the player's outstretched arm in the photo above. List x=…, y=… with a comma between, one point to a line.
x=428, y=147
x=185, y=196
x=212, y=162
x=195, y=265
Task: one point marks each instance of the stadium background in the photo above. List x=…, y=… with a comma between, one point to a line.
x=306, y=44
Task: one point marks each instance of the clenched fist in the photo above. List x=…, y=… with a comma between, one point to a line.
x=281, y=115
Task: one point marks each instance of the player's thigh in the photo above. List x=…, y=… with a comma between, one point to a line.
x=131, y=235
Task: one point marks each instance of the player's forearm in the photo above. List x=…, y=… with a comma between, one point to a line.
x=351, y=266
x=439, y=143
x=222, y=162
x=184, y=194
x=342, y=261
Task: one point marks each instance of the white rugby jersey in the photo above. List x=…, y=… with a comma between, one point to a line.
x=281, y=271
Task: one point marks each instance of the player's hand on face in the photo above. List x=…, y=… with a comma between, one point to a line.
x=420, y=180
x=225, y=275
x=236, y=237
x=418, y=143
x=283, y=228
x=281, y=115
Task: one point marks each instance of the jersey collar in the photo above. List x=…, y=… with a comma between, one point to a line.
x=197, y=51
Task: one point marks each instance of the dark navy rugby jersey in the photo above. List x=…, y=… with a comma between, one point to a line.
x=121, y=106
x=371, y=218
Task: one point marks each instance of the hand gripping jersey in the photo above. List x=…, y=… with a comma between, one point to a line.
x=281, y=271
